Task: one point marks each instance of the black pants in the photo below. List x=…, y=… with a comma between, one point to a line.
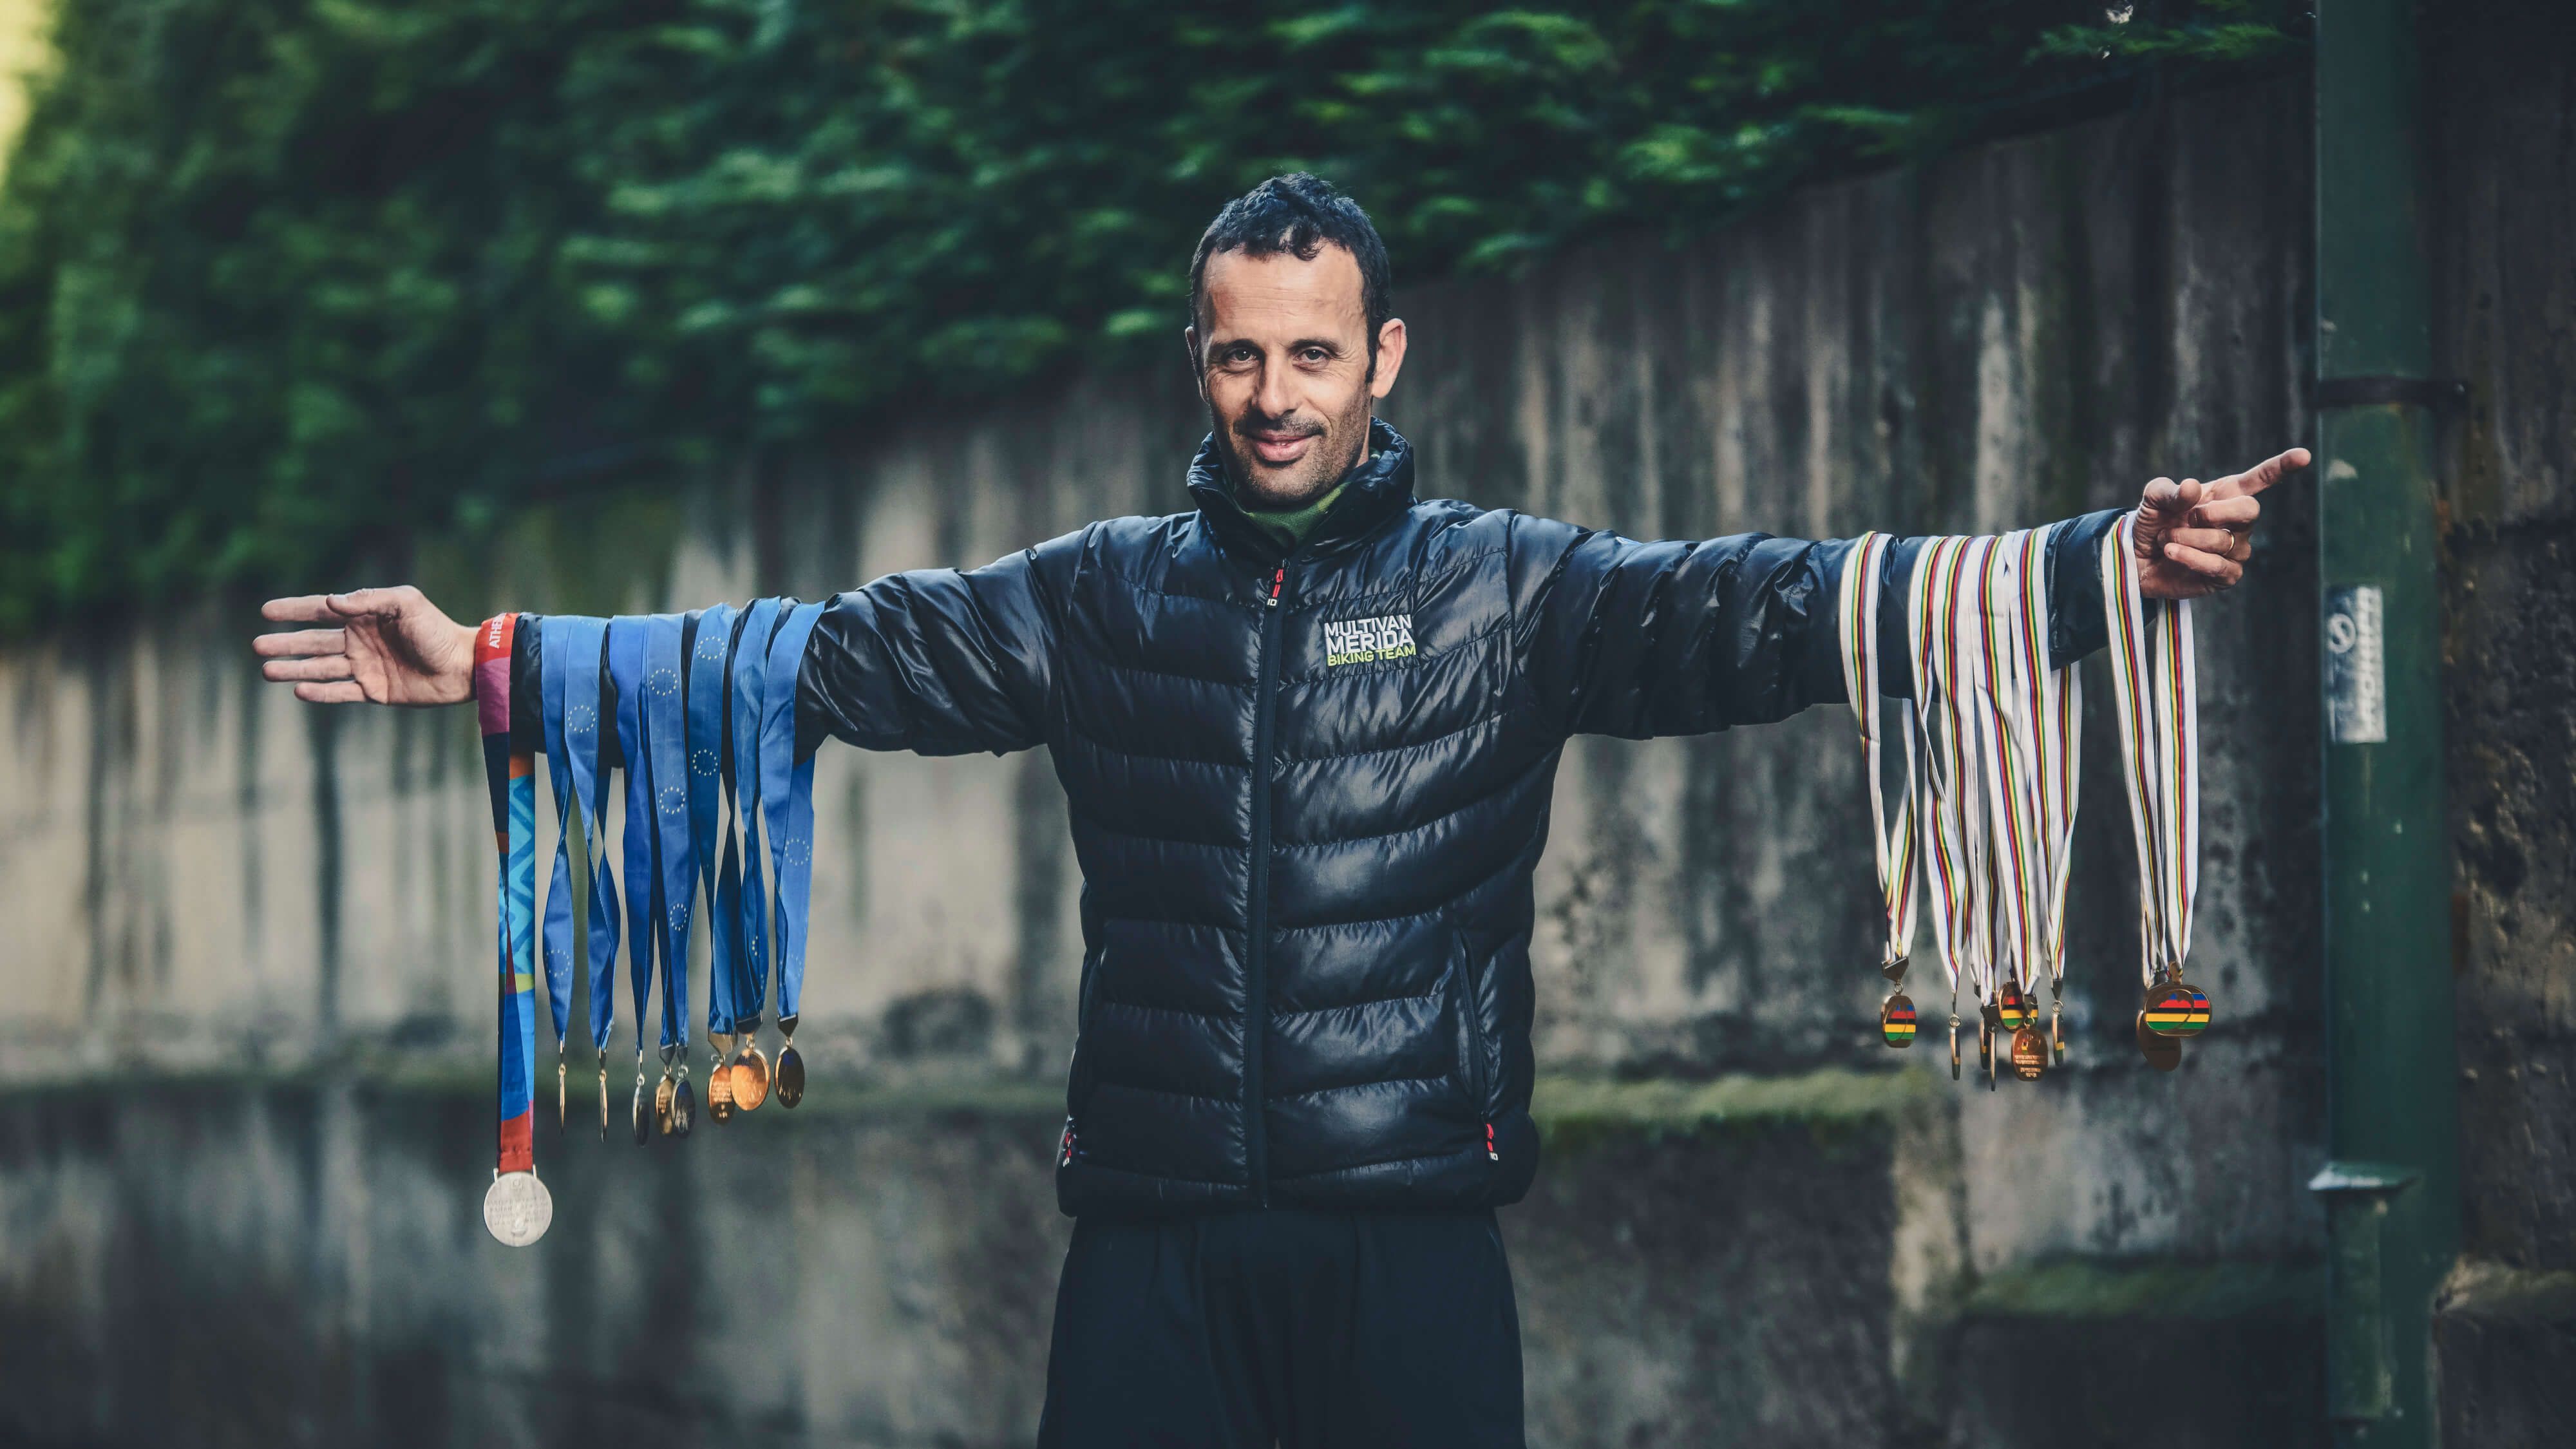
x=1303, y=1329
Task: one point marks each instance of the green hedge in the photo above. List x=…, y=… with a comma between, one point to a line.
x=284, y=282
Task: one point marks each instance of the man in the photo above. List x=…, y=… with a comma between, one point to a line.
x=1308, y=732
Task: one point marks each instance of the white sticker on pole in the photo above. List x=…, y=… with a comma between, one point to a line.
x=2356, y=667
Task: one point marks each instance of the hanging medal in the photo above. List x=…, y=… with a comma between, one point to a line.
x=1947, y=704
x=2154, y=671
x=517, y=1208
x=1891, y=831
x=578, y=729
x=718, y=884
x=787, y=803
x=2016, y=677
x=626, y=639
x=747, y=1079
x=675, y=872
x=2055, y=706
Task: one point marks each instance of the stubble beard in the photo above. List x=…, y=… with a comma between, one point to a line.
x=1336, y=452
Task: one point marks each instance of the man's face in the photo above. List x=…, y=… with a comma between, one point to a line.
x=1284, y=366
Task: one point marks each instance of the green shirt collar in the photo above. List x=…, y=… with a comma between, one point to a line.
x=1289, y=526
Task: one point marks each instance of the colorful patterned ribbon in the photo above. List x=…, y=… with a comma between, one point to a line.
x=512, y=779
x=1891, y=831
x=2154, y=669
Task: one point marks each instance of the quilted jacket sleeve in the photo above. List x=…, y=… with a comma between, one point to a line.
x=939, y=661
x=1633, y=639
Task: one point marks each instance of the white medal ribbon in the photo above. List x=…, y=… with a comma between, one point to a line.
x=1949, y=800
x=2154, y=669
x=1891, y=830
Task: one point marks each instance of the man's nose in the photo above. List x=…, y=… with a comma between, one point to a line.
x=1274, y=400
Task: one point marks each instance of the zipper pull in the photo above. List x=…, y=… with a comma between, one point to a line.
x=1278, y=581
x=1066, y=1147
x=1489, y=1143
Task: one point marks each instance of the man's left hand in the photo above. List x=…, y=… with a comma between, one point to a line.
x=2193, y=538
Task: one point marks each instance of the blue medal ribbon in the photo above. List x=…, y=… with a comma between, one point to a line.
x=576, y=731
x=554, y=640
x=675, y=859
x=750, y=687
x=787, y=800
x=707, y=701
x=626, y=673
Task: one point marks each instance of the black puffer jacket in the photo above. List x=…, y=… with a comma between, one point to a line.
x=1308, y=794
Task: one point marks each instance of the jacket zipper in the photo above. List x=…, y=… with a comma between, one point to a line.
x=1256, y=1020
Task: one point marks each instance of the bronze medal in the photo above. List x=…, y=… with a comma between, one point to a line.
x=2162, y=1052
x=719, y=1090
x=2029, y=1053
x=2176, y=1009
x=750, y=1084
x=791, y=1066
x=1896, y=1021
x=2013, y=1007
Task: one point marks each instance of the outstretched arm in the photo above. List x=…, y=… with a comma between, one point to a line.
x=1640, y=639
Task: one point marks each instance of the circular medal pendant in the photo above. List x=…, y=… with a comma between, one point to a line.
x=720, y=1093
x=2029, y=1053
x=643, y=1115
x=1896, y=1021
x=750, y=1079
x=662, y=1107
x=2013, y=1008
x=2162, y=1052
x=517, y=1209
x=2177, y=1008
x=791, y=1076
x=684, y=1109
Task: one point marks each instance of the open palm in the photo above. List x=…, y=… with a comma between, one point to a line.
x=382, y=646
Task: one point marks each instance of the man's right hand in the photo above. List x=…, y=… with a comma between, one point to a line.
x=382, y=646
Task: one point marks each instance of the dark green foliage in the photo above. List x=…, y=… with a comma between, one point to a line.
x=283, y=282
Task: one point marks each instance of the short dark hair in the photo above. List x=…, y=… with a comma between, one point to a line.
x=1297, y=214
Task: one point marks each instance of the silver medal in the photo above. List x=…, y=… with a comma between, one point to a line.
x=517, y=1208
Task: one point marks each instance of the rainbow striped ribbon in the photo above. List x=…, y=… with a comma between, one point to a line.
x=1948, y=801
x=2154, y=669
x=1891, y=830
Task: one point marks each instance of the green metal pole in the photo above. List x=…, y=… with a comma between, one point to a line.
x=2392, y=1186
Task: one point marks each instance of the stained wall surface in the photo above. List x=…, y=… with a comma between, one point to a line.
x=204, y=879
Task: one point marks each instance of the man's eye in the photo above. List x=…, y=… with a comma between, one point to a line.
x=1314, y=357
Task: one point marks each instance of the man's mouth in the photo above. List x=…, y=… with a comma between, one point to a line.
x=1278, y=448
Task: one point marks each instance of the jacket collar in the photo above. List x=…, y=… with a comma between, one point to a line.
x=1379, y=488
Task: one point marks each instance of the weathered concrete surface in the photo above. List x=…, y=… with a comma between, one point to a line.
x=2500, y=92
x=202, y=875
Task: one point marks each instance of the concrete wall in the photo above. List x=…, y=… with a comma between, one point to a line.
x=201, y=876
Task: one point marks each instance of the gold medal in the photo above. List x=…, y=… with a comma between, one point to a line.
x=2013, y=1007
x=662, y=1105
x=2029, y=1054
x=791, y=1065
x=2162, y=1052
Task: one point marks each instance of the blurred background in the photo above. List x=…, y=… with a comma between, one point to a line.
x=616, y=305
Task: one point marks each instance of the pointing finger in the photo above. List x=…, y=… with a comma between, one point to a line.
x=300, y=641
x=2264, y=474
x=345, y=691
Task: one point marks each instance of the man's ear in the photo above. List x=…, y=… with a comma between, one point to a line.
x=1198, y=375
x=1390, y=357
